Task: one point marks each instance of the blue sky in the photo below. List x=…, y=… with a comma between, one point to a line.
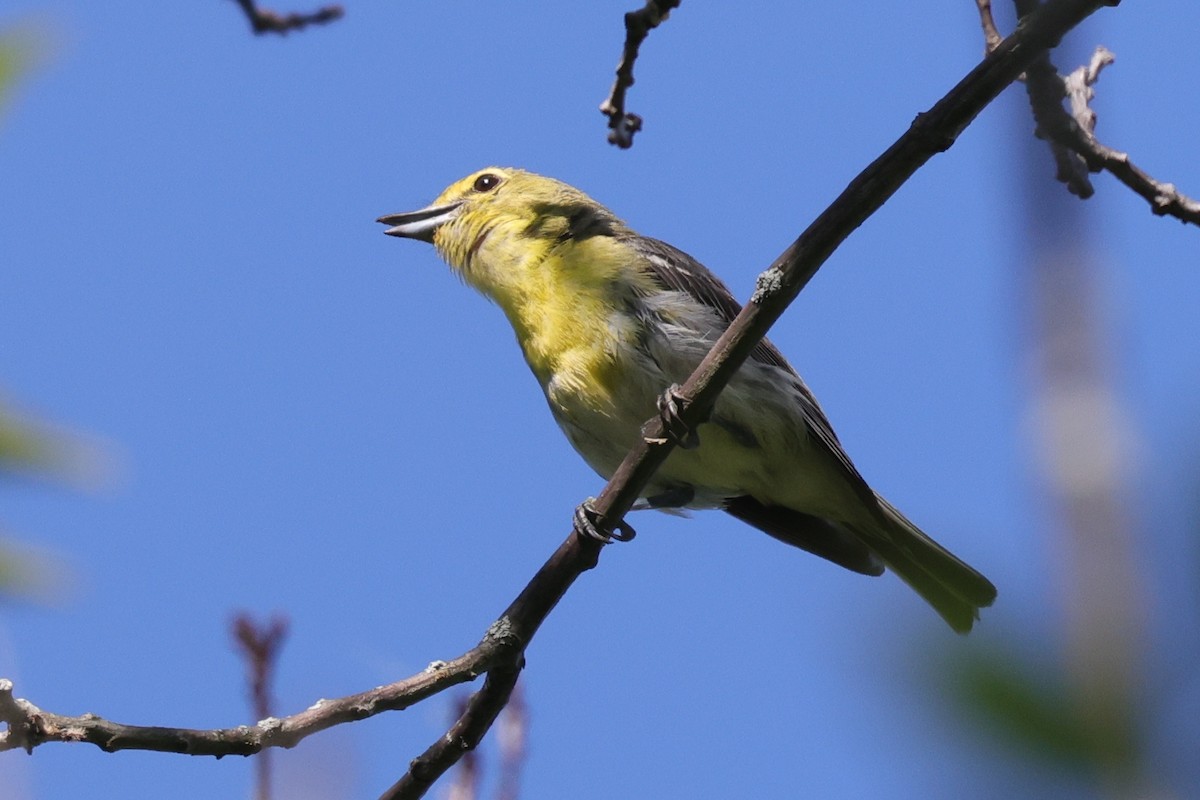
x=296, y=413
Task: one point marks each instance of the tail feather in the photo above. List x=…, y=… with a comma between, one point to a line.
x=954, y=589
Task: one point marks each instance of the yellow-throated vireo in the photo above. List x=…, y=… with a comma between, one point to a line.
x=608, y=319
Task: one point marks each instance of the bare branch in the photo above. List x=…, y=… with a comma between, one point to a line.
x=1071, y=137
x=30, y=726
x=513, y=734
x=1046, y=91
x=1164, y=198
x=638, y=24
x=265, y=21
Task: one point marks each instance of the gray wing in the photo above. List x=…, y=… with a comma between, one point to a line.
x=676, y=270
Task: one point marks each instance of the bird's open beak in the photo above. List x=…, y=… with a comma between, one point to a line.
x=420, y=224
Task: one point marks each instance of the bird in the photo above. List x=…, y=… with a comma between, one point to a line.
x=608, y=320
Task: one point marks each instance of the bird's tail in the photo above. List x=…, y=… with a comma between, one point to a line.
x=955, y=590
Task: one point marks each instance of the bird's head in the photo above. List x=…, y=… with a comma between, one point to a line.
x=497, y=221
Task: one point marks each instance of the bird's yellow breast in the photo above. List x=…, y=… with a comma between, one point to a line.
x=563, y=298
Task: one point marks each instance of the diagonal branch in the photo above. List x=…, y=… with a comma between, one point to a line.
x=930, y=133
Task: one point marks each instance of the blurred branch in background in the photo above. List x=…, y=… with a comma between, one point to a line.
x=1077, y=151
x=1074, y=710
x=1083, y=444
x=512, y=736
x=1084, y=710
x=512, y=732
x=465, y=785
x=260, y=646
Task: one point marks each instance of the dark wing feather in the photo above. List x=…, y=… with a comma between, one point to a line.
x=818, y=536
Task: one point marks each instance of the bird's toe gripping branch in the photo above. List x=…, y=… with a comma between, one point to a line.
x=588, y=522
x=670, y=409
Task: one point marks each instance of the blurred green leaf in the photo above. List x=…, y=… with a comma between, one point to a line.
x=20, y=46
x=1028, y=707
x=24, y=448
x=21, y=448
x=13, y=575
x=1032, y=709
x=12, y=61
x=30, y=575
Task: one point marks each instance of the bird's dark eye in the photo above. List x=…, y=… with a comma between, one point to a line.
x=486, y=182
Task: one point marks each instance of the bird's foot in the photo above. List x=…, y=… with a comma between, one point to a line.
x=587, y=523
x=670, y=407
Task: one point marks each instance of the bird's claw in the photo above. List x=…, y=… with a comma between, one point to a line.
x=587, y=523
x=670, y=408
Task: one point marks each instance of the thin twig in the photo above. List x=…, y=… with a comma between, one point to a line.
x=512, y=737
x=638, y=24
x=465, y=785
x=265, y=21
x=1078, y=88
x=991, y=35
x=518, y=625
